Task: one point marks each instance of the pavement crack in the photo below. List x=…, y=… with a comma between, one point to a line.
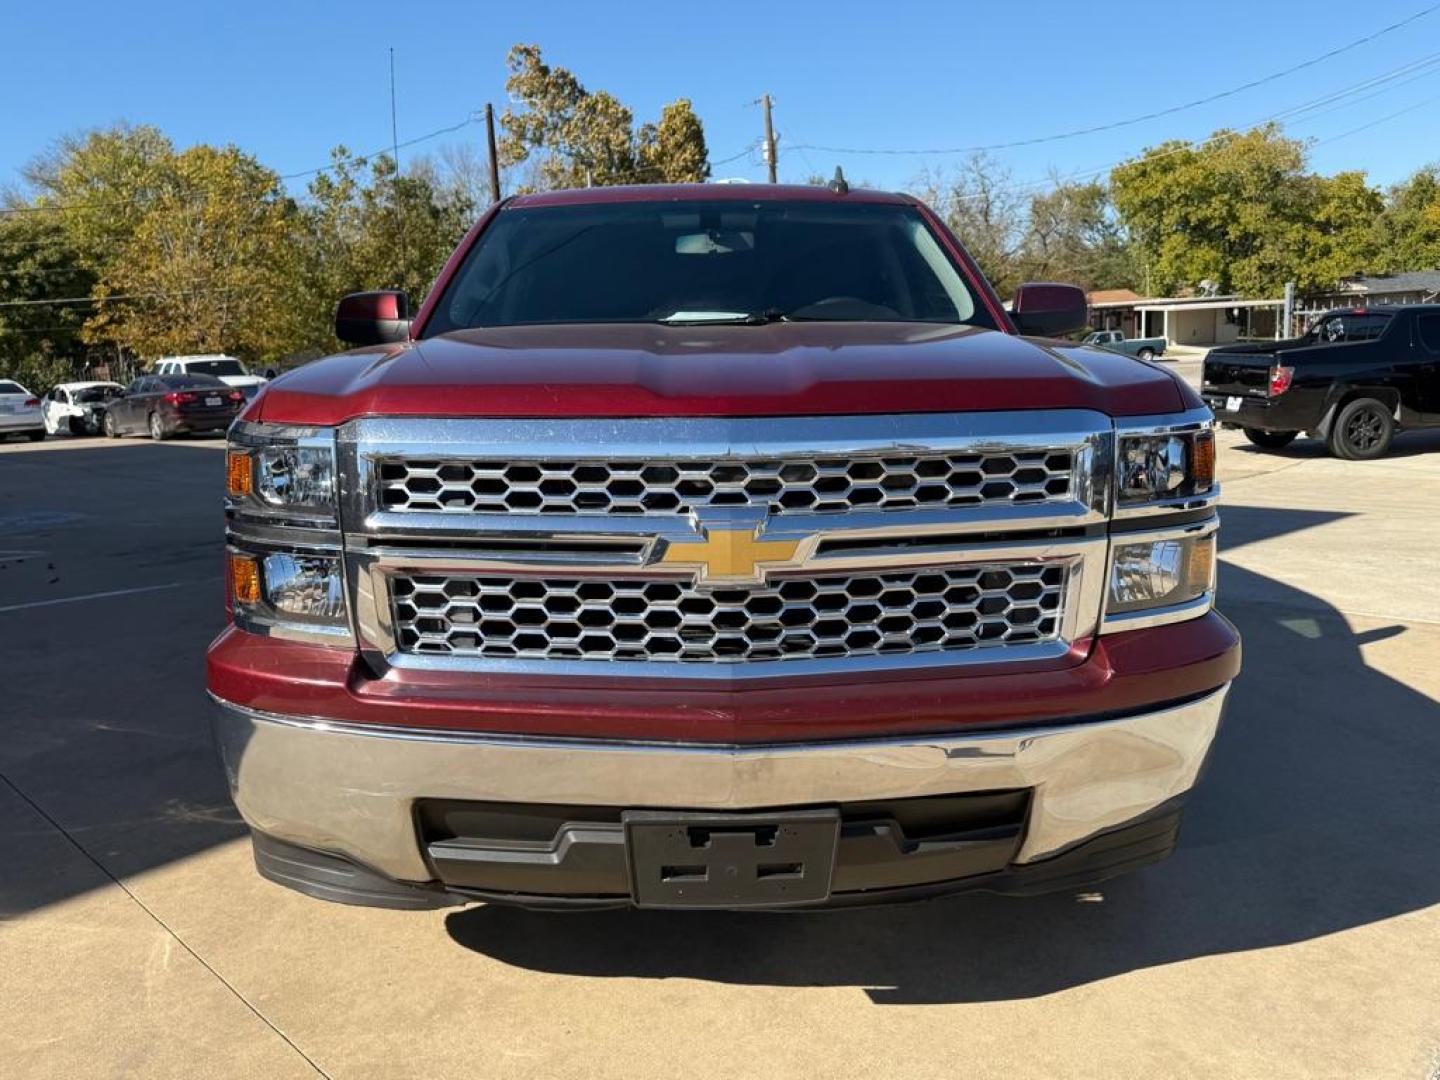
x=178, y=940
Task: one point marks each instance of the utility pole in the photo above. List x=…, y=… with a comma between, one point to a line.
x=395, y=156
x=770, y=162
x=1286, y=329
x=394, y=129
x=490, y=142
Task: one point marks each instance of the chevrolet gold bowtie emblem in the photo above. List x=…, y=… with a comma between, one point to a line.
x=730, y=554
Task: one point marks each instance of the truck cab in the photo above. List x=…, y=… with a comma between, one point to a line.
x=709, y=546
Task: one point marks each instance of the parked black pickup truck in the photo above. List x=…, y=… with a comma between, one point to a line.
x=1357, y=376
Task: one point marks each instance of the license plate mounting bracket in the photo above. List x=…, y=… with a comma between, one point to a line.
x=730, y=860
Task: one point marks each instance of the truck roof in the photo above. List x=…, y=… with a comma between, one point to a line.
x=704, y=193
x=1380, y=309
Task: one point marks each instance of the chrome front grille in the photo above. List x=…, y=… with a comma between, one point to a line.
x=833, y=616
x=725, y=547
x=806, y=484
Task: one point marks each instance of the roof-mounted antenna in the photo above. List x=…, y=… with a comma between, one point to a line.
x=840, y=186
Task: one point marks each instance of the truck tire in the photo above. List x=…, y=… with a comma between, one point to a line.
x=1146, y=353
x=1270, y=440
x=1362, y=430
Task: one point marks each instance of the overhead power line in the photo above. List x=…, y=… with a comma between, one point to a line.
x=1432, y=63
x=1130, y=121
x=1380, y=120
x=395, y=147
x=750, y=149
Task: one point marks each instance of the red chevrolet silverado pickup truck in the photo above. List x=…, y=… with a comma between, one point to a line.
x=716, y=546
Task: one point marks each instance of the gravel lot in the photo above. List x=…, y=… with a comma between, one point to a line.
x=1294, y=934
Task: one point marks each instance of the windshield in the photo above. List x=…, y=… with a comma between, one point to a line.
x=8, y=387
x=95, y=393
x=707, y=262
x=222, y=366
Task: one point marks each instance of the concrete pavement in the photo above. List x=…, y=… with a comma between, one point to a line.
x=1294, y=934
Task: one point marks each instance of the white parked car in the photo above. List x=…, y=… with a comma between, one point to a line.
x=20, y=411
x=227, y=369
x=78, y=407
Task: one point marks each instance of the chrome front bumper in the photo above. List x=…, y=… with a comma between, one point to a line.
x=351, y=790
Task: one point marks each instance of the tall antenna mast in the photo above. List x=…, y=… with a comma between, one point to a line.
x=394, y=130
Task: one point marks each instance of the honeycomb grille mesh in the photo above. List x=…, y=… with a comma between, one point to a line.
x=833, y=484
x=793, y=618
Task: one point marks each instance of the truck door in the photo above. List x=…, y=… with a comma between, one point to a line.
x=1427, y=350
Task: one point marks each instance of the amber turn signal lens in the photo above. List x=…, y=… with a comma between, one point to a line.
x=238, y=476
x=1200, y=566
x=244, y=579
x=1202, y=475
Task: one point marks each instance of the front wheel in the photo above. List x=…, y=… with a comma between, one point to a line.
x=1270, y=440
x=157, y=428
x=1362, y=431
x=77, y=426
x=1146, y=354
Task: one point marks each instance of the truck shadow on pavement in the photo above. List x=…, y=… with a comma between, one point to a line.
x=1317, y=814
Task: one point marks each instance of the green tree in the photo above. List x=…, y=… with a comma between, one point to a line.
x=184, y=251
x=40, y=342
x=576, y=137
x=1407, y=235
x=106, y=181
x=202, y=271
x=1240, y=209
x=1072, y=234
x=1343, y=238
x=367, y=225
x=674, y=149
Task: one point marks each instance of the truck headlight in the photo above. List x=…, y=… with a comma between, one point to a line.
x=273, y=591
x=1163, y=466
x=283, y=526
x=277, y=471
x=298, y=476
x=1161, y=572
x=304, y=586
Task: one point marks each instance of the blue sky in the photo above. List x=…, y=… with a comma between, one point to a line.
x=287, y=81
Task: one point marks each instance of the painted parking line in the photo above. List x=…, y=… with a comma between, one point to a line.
x=110, y=593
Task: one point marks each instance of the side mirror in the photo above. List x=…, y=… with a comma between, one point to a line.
x=373, y=318
x=1046, y=310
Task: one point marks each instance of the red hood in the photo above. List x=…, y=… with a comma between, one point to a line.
x=781, y=369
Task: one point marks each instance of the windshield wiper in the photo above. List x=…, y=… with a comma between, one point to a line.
x=728, y=318
x=737, y=318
